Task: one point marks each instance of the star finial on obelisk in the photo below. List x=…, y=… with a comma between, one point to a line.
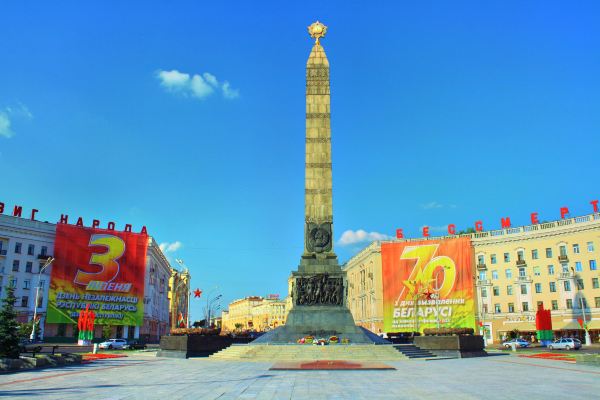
x=317, y=30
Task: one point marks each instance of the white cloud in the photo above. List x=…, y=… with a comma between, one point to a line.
x=228, y=92
x=196, y=85
x=360, y=236
x=5, y=129
x=21, y=111
x=431, y=205
x=167, y=247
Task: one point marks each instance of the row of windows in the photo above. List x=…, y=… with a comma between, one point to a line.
x=28, y=266
x=26, y=283
x=538, y=287
x=537, y=271
x=554, y=305
x=30, y=249
x=534, y=253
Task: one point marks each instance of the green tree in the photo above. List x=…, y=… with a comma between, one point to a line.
x=9, y=336
x=106, y=331
x=24, y=329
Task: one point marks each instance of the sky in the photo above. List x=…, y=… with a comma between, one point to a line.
x=188, y=118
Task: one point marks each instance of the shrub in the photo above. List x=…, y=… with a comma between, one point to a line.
x=195, y=331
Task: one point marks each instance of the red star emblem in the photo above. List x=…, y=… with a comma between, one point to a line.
x=197, y=293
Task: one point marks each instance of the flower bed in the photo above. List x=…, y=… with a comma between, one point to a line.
x=550, y=356
x=195, y=331
x=100, y=356
x=322, y=341
x=447, y=331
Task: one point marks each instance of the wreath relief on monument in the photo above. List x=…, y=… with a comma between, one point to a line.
x=318, y=237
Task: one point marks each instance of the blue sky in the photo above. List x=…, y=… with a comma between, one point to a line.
x=442, y=112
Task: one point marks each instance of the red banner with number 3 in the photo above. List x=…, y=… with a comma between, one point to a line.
x=102, y=268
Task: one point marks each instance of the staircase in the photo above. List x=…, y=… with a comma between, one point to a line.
x=295, y=352
x=411, y=351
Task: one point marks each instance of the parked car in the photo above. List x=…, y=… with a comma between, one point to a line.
x=518, y=342
x=113, y=344
x=135, y=344
x=28, y=346
x=566, y=344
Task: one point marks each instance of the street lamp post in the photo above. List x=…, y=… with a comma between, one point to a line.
x=37, y=294
x=588, y=340
x=209, y=305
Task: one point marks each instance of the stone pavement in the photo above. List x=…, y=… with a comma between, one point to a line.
x=147, y=377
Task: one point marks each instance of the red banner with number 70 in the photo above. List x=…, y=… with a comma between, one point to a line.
x=102, y=268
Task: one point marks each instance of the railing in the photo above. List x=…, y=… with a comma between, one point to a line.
x=563, y=258
x=2, y=252
x=43, y=256
x=484, y=282
x=521, y=262
x=566, y=275
x=481, y=266
x=523, y=278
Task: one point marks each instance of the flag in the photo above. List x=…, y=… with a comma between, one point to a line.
x=181, y=321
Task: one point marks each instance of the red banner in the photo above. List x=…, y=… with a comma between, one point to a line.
x=102, y=268
x=426, y=284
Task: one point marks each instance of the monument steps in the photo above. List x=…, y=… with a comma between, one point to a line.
x=412, y=351
x=294, y=352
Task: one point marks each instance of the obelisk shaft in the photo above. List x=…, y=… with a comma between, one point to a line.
x=318, y=184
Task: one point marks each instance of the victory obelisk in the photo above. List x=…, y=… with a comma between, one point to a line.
x=319, y=287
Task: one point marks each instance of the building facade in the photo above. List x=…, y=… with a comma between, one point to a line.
x=26, y=244
x=254, y=313
x=515, y=271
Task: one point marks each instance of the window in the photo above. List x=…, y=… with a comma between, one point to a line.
x=595, y=283
x=597, y=300
x=583, y=303
x=493, y=258
x=494, y=274
x=536, y=271
x=30, y=250
x=13, y=282
x=564, y=268
x=15, y=265
x=509, y=290
x=562, y=250
x=27, y=284
x=28, y=266
x=511, y=307
x=550, y=269
x=523, y=289
x=540, y=305
x=578, y=267
x=40, y=301
x=42, y=283
x=506, y=257
x=538, y=288
x=567, y=285
x=555, y=304
x=483, y=292
x=40, y=266
x=521, y=271
x=520, y=255
x=484, y=308
x=24, y=301
x=579, y=284
x=525, y=306
x=482, y=275
x=496, y=291
x=548, y=252
x=534, y=254
x=575, y=248
x=552, y=287
x=18, y=248
x=592, y=265
x=44, y=251
x=508, y=273
x=569, y=304
x=590, y=246
x=480, y=259
x=497, y=309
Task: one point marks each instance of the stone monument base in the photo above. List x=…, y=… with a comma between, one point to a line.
x=319, y=322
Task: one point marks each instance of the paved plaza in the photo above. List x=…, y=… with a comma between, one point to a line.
x=147, y=377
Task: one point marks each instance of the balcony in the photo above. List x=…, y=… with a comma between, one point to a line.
x=481, y=267
x=521, y=263
x=566, y=275
x=43, y=256
x=484, y=282
x=2, y=252
x=563, y=258
x=523, y=279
